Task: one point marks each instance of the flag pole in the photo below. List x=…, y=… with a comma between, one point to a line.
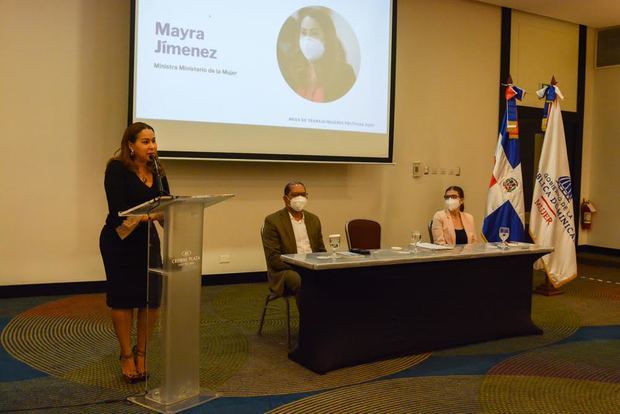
x=546, y=288
x=508, y=81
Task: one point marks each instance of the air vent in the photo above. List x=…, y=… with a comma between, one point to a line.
x=608, y=47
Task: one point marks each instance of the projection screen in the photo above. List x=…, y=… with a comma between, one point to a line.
x=265, y=80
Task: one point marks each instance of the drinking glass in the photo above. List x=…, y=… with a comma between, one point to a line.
x=416, y=236
x=334, y=242
x=504, y=233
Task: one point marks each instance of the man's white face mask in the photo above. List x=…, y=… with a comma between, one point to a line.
x=452, y=204
x=298, y=203
x=311, y=47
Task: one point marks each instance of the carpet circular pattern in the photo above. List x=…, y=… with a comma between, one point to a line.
x=72, y=338
x=574, y=377
x=596, y=289
x=60, y=396
x=517, y=394
x=268, y=370
x=420, y=395
x=589, y=361
x=596, y=303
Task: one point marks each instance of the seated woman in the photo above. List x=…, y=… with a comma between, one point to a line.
x=452, y=225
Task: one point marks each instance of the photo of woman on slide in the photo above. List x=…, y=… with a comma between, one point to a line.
x=311, y=55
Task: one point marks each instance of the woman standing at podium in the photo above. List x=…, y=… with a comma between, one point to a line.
x=452, y=225
x=130, y=179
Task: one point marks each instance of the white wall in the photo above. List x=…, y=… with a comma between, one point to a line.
x=63, y=102
x=601, y=149
x=588, y=117
x=446, y=110
x=540, y=48
x=602, y=160
x=64, y=83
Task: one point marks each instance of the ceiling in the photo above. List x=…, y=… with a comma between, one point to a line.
x=593, y=13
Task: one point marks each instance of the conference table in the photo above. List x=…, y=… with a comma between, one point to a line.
x=355, y=309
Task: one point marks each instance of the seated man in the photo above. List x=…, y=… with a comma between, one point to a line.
x=287, y=231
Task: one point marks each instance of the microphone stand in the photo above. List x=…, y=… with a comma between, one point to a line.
x=160, y=186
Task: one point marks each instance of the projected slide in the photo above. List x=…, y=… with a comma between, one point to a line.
x=257, y=77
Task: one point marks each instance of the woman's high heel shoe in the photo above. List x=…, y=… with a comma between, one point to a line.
x=129, y=379
x=139, y=354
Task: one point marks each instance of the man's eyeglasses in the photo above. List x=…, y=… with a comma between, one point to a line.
x=293, y=195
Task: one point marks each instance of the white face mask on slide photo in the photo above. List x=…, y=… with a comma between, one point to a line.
x=452, y=204
x=312, y=48
x=298, y=203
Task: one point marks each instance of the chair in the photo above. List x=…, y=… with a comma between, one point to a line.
x=430, y=231
x=363, y=234
x=271, y=296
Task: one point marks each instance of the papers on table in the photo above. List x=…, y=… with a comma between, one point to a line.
x=432, y=246
x=508, y=246
x=349, y=254
x=519, y=244
x=342, y=254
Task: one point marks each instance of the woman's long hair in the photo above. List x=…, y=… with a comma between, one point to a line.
x=123, y=154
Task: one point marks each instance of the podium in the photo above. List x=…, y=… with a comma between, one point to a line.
x=181, y=273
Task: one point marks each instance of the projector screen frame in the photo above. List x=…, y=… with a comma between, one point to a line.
x=268, y=157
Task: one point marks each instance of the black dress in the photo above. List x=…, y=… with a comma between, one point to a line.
x=125, y=260
x=461, y=236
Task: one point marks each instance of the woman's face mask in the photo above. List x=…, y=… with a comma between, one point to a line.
x=453, y=203
x=311, y=47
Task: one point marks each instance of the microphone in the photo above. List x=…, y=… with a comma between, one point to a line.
x=160, y=186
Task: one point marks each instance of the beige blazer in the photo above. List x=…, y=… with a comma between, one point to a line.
x=443, y=228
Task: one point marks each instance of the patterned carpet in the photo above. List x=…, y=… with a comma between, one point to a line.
x=61, y=353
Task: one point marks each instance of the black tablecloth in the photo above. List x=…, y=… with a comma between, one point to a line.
x=362, y=314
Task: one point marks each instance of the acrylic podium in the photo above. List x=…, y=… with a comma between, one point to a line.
x=181, y=272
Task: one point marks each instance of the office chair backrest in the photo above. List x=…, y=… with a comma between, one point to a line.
x=430, y=231
x=262, y=239
x=363, y=234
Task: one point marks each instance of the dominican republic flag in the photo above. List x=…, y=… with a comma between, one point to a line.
x=552, y=221
x=505, y=206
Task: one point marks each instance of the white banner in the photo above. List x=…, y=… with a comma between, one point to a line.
x=552, y=221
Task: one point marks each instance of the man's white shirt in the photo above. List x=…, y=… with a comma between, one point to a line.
x=301, y=234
